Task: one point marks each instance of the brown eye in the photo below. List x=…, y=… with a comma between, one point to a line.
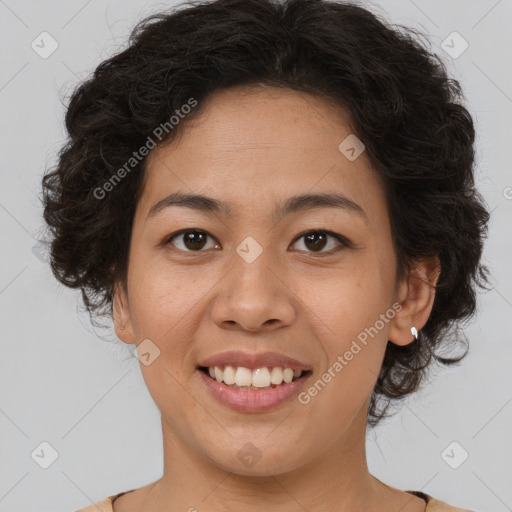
x=192, y=240
x=316, y=241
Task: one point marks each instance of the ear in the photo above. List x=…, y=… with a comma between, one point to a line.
x=121, y=314
x=416, y=294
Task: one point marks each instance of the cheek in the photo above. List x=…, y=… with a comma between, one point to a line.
x=354, y=312
x=160, y=294
x=354, y=338
x=348, y=301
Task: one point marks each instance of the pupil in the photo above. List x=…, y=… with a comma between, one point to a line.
x=314, y=238
x=194, y=240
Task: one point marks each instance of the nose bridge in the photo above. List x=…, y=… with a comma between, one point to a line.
x=252, y=265
x=253, y=296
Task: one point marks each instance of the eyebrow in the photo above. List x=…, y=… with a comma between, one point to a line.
x=302, y=202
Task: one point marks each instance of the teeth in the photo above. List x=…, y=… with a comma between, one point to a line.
x=260, y=377
x=288, y=375
x=241, y=377
x=277, y=376
x=229, y=375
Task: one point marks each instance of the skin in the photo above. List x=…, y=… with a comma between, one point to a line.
x=255, y=147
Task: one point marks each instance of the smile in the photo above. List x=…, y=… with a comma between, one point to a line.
x=257, y=390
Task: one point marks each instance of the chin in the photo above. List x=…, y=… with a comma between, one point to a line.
x=249, y=460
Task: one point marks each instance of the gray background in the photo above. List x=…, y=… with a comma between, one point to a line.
x=62, y=384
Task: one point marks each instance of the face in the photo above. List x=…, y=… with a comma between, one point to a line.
x=264, y=278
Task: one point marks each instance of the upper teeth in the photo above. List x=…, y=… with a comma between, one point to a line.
x=260, y=378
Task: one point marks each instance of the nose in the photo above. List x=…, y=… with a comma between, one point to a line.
x=253, y=297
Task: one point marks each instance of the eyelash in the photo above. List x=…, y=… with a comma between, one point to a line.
x=344, y=242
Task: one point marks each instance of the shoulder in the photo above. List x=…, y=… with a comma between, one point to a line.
x=434, y=505
x=104, y=505
x=440, y=506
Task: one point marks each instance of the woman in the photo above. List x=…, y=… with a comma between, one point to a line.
x=275, y=203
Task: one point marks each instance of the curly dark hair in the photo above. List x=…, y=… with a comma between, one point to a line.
x=402, y=105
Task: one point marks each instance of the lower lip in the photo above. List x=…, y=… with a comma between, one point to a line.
x=248, y=400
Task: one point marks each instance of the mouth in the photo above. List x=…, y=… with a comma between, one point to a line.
x=253, y=382
x=267, y=377
x=243, y=396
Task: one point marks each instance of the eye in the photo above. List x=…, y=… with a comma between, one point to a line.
x=192, y=240
x=195, y=240
x=318, y=240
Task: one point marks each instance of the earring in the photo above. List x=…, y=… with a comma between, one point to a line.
x=414, y=332
x=122, y=328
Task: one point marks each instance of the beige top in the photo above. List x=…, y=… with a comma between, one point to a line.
x=433, y=505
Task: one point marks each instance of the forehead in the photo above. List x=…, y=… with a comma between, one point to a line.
x=268, y=116
x=254, y=145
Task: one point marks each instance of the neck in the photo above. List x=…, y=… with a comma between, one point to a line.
x=337, y=479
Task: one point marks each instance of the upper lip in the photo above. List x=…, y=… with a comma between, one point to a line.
x=253, y=361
